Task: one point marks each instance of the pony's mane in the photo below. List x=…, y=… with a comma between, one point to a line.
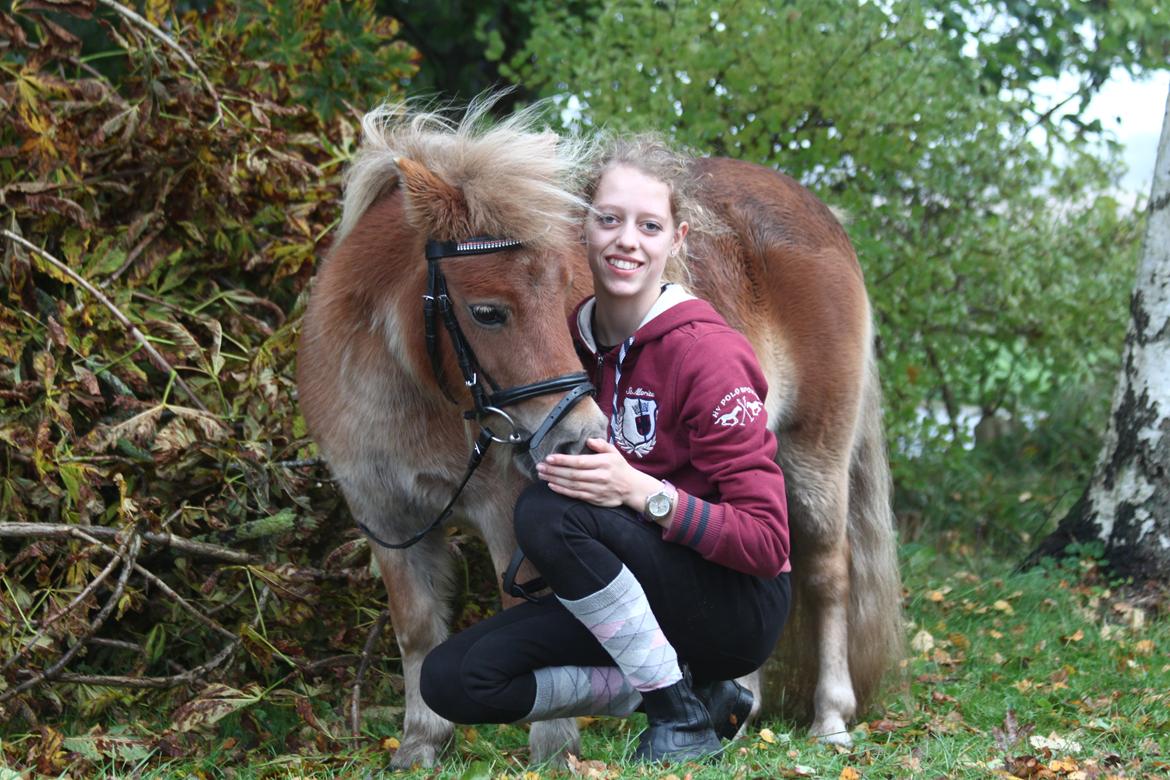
x=519, y=181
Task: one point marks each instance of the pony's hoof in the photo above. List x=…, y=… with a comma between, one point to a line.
x=551, y=741
x=415, y=753
x=831, y=731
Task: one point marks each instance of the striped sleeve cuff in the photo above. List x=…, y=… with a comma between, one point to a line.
x=696, y=523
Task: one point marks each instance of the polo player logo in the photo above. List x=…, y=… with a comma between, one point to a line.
x=739, y=407
x=636, y=425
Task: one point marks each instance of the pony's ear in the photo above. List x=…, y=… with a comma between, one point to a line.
x=433, y=206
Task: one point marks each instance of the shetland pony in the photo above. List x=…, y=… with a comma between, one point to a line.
x=778, y=267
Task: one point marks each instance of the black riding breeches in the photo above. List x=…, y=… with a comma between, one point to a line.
x=722, y=623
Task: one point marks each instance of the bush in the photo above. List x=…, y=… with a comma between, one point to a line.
x=164, y=217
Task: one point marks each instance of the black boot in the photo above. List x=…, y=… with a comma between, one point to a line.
x=679, y=726
x=728, y=703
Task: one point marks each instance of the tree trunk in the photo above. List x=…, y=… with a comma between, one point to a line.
x=1127, y=503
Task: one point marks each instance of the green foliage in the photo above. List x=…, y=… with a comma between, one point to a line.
x=324, y=53
x=462, y=43
x=196, y=202
x=998, y=276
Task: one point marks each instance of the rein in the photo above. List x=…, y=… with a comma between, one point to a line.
x=437, y=305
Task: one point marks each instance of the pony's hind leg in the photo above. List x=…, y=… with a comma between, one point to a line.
x=821, y=583
x=834, y=702
x=418, y=586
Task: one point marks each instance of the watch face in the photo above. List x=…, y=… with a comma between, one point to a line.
x=659, y=504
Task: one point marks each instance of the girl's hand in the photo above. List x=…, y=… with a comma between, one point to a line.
x=604, y=478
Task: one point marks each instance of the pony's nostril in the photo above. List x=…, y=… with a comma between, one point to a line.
x=570, y=448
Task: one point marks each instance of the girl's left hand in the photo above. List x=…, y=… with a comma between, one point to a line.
x=604, y=478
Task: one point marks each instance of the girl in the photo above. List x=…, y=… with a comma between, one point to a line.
x=666, y=546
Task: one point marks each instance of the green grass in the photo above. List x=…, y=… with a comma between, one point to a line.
x=1051, y=673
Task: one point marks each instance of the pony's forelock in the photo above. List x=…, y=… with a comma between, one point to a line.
x=519, y=180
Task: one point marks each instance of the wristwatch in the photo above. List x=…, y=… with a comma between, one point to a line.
x=660, y=504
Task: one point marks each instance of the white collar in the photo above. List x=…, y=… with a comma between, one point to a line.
x=671, y=296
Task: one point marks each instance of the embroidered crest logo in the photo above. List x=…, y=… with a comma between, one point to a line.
x=739, y=407
x=635, y=427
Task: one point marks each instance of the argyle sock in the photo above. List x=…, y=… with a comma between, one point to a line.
x=569, y=691
x=619, y=616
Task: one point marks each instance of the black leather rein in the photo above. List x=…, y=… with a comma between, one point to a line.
x=437, y=305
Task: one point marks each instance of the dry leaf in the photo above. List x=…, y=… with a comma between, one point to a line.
x=922, y=642
x=1055, y=743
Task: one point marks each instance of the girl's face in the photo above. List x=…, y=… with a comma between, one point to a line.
x=629, y=236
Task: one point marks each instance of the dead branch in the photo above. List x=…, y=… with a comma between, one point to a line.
x=155, y=357
x=121, y=681
x=135, y=19
x=166, y=589
x=58, y=531
x=72, y=605
x=98, y=621
x=355, y=704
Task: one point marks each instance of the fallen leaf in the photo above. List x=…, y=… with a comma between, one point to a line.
x=214, y=702
x=922, y=642
x=1054, y=743
x=592, y=769
x=768, y=736
x=849, y=773
x=1004, y=607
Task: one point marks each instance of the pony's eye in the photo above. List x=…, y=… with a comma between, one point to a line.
x=486, y=314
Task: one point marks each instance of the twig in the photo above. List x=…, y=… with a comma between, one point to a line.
x=58, y=531
x=355, y=717
x=72, y=605
x=156, y=358
x=81, y=533
x=119, y=644
x=166, y=589
x=63, y=661
x=134, y=18
x=297, y=464
x=122, y=681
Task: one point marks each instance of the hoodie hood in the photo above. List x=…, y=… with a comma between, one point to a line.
x=674, y=308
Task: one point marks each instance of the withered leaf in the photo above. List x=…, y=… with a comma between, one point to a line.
x=82, y=9
x=214, y=702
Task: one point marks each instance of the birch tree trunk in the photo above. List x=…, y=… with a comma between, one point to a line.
x=1127, y=503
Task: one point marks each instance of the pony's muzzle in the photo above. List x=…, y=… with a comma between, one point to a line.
x=586, y=421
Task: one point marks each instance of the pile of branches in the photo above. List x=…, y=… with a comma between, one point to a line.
x=167, y=184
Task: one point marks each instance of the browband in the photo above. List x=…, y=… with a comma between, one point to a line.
x=477, y=245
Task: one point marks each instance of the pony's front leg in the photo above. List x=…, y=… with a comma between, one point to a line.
x=418, y=586
x=549, y=741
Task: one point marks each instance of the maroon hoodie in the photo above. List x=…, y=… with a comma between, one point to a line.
x=685, y=400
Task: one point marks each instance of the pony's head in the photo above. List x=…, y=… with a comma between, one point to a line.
x=470, y=177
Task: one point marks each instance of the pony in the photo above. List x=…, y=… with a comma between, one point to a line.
x=777, y=265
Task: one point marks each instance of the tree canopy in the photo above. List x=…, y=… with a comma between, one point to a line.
x=997, y=268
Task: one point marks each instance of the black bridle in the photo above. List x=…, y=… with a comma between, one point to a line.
x=437, y=305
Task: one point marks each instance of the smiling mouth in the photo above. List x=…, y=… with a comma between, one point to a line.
x=622, y=264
